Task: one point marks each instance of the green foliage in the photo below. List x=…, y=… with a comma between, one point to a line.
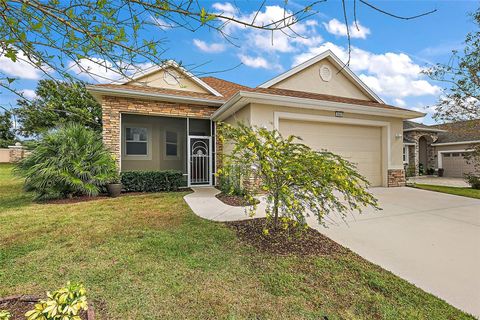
x=460, y=99
x=7, y=137
x=297, y=180
x=69, y=161
x=63, y=304
x=230, y=179
x=410, y=170
x=151, y=181
x=58, y=103
x=473, y=180
x=5, y=315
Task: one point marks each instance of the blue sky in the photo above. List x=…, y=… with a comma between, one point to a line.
x=388, y=54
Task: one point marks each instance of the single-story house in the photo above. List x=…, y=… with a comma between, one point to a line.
x=166, y=118
x=440, y=146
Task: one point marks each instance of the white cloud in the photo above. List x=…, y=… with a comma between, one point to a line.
x=94, y=69
x=20, y=69
x=400, y=102
x=210, y=48
x=29, y=94
x=340, y=29
x=259, y=62
x=225, y=8
x=162, y=24
x=299, y=34
x=389, y=74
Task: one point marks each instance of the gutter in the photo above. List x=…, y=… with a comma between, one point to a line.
x=424, y=129
x=455, y=143
x=99, y=91
x=241, y=98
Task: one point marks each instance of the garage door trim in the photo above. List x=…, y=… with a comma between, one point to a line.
x=360, y=122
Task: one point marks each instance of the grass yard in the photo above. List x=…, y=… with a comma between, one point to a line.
x=459, y=191
x=150, y=257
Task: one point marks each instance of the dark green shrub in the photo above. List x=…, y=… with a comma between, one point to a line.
x=473, y=180
x=151, y=181
x=410, y=170
x=430, y=171
x=67, y=162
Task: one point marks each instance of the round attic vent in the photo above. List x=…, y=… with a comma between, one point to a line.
x=325, y=73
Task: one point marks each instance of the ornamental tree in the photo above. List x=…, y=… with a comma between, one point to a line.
x=296, y=180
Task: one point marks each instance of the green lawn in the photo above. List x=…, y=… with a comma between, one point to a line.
x=150, y=257
x=465, y=192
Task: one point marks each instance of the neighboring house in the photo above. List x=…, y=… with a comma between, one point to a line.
x=166, y=118
x=440, y=146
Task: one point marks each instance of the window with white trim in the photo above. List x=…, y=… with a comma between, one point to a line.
x=405, y=154
x=171, y=144
x=136, y=141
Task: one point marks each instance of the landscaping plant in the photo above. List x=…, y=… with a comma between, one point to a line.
x=152, y=181
x=296, y=180
x=67, y=162
x=63, y=304
x=5, y=315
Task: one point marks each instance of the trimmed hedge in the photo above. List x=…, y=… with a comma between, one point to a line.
x=151, y=181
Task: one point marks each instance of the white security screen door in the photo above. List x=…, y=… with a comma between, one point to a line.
x=199, y=161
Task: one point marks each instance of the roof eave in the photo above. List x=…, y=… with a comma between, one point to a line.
x=243, y=97
x=424, y=129
x=98, y=92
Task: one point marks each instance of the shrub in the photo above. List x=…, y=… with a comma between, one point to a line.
x=63, y=304
x=297, y=181
x=430, y=171
x=151, y=181
x=5, y=315
x=410, y=170
x=70, y=161
x=230, y=179
x=473, y=180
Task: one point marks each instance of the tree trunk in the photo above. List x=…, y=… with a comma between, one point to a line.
x=275, y=211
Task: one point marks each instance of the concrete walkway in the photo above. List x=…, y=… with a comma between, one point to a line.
x=430, y=239
x=439, y=181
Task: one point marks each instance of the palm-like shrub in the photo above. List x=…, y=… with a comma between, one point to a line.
x=69, y=161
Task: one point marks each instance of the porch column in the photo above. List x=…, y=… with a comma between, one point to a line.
x=111, y=121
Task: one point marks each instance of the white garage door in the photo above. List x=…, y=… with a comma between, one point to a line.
x=455, y=165
x=361, y=145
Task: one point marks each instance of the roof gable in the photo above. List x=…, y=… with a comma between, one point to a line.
x=171, y=75
x=337, y=79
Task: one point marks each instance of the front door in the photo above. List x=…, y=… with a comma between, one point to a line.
x=199, y=161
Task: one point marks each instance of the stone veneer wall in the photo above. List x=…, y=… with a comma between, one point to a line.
x=396, y=178
x=113, y=107
x=415, y=136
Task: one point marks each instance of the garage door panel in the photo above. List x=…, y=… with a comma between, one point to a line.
x=455, y=165
x=358, y=144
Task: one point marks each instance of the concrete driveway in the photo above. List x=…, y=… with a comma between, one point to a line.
x=439, y=181
x=430, y=239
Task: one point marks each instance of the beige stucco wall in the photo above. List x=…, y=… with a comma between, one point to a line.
x=157, y=80
x=309, y=80
x=4, y=155
x=263, y=115
x=156, y=159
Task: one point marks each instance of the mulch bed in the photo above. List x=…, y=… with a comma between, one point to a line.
x=235, y=201
x=305, y=242
x=19, y=305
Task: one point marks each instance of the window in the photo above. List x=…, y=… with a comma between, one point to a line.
x=455, y=154
x=405, y=154
x=171, y=144
x=136, y=141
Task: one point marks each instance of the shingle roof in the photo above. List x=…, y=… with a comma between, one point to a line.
x=459, y=131
x=228, y=89
x=173, y=92
x=412, y=124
